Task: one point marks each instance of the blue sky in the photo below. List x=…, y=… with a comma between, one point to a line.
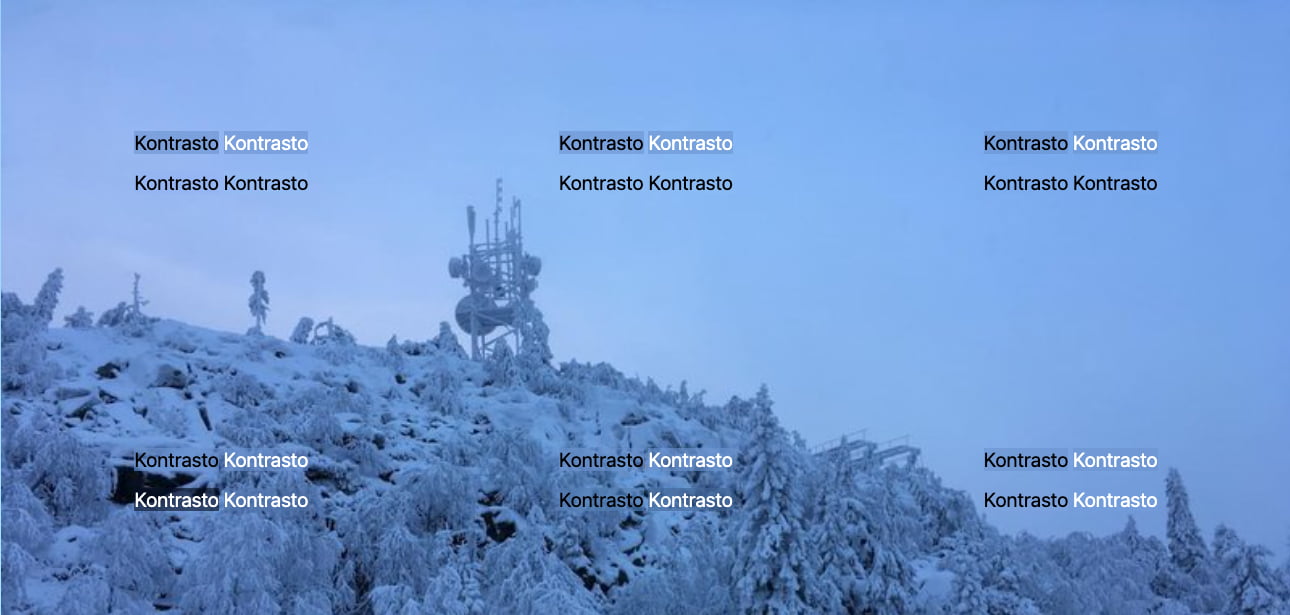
x=857, y=267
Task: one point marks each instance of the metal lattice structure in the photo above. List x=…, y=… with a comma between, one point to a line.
x=500, y=276
x=864, y=453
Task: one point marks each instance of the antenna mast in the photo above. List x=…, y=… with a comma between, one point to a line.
x=500, y=277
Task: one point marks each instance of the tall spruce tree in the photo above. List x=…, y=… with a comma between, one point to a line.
x=839, y=537
x=772, y=571
x=1186, y=547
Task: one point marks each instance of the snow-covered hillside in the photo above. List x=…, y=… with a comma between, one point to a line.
x=433, y=487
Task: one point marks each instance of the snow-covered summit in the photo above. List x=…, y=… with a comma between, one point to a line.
x=433, y=487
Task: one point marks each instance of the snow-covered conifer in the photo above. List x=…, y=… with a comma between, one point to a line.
x=1248, y=583
x=535, y=349
x=259, y=300
x=503, y=370
x=1186, y=547
x=839, y=537
x=447, y=341
x=772, y=564
x=303, y=330
x=47, y=298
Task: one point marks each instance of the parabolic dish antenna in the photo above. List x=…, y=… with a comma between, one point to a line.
x=480, y=315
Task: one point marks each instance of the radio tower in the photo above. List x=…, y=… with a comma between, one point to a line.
x=500, y=277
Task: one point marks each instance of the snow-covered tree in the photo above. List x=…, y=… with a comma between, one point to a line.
x=128, y=317
x=23, y=364
x=526, y=579
x=303, y=330
x=80, y=319
x=447, y=341
x=962, y=556
x=890, y=586
x=259, y=300
x=841, y=538
x=691, y=574
x=114, y=316
x=138, y=300
x=47, y=299
x=328, y=332
x=234, y=570
x=443, y=496
x=15, y=564
x=70, y=477
x=502, y=368
x=26, y=530
x=773, y=572
x=22, y=333
x=86, y=593
x=1186, y=547
x=1249, y=584
x=535, y=349
x=455, y=588
x=136, y=564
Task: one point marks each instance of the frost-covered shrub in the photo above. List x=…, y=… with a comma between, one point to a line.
x=250, y=429
x=534, y=350
x=169, y=418
x=415, y=349
x=442, y=496
x=21, y=440
x=690, y=573
x=455, y=588
x=446, y=342
x=87, y=593
x=328, y=332
x=336, y=344
x=547, y=382
x=23, y=365
x=328, y=399
x=80, y=319
x=114, y=316
x=234, y=569
x=15, y=562
x=304, y=328
x=242, y=390
x=27, y=523
x=524, y=578
x=441, y=392
x=601, y=373
x=180, y=340
x=129, y=317
x=502, y=368
x=401, y=558
x=135, y=561
x=361, y=524
x=359, y=448
x=522, y=474
x=311, y=416
x=71, y=478
x=320, y=430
